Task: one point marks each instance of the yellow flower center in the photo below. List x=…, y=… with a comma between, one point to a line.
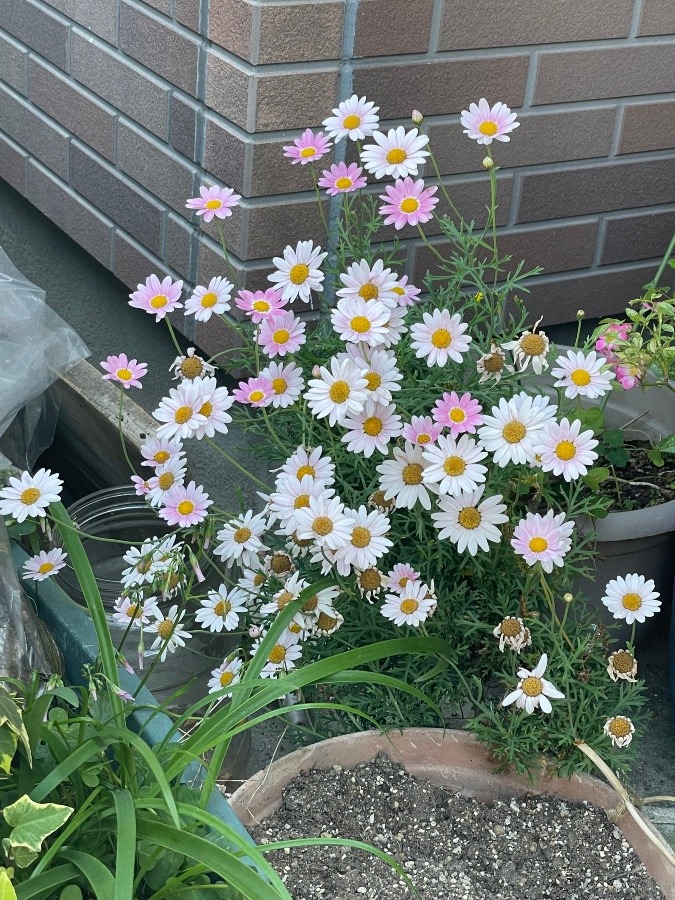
x=403, y=581
x=620, y=726
x=281, y=336
x=278, y=654
x=241, y=535
x=161, y=457
x=299, y=273
x=256, y=396
x=159, y=301
x=339, y=391
x=373, y=380
x=369, y=292
x=284, y=598
x=305, y=470
x=258, y=580
x=370, y=579
x=134, y=611
x=632, y=602
x=143, y=566
x=514, y=432
x=510, y=628
x=261, y=306
x=469, y=518
x=308, y=152
x=186, y=507
x=532, y=686
x=396, y=156
x=565, y=450
x=209, y=299
x=373, y=426
x=191, y=367
x=301, y=501
x=533, y=345
x=398, y=290
x=165, y=629
x=412, y=474
x=295, y=628
x=326, y=622
x=213, y=204
x=360, y=537
x=441, y=338
x=454, y=465
x=623, y=661
x=29, y=496
x=410, y=205
x=206, y=409
x=378, y=499
x=360, y=324
x=423, y=438
x=580, y=377
x=125, y=374
x=494, y=363
x=343, y=184
x=279, y=385
x=226, y=679
x=457, y=415
x=409, y=606
x=222, y=608
x=349, y=123
x=489, y=129
x=538, y=544
x=165, y=480
x=322, y=526
x=45, y=567
x=182, y=415
x=311, y=604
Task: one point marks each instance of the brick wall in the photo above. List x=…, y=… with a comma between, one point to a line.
x=113, y=112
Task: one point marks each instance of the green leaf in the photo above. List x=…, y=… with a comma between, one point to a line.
x=8, y=744
x=595, y=477
x=7, y=892
x=99, y=876
x=667, y=445
x=10, y=714
x=619, y=457
x=125, y=862
x=44, y=886
x=613, y=437
x=72, y=892
x=31, y=823
x=593, y=418
x=655, y=457
x=18, y=530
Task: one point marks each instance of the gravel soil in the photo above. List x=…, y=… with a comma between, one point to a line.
x=452, y=847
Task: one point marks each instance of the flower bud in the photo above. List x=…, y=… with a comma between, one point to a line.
x=417, y=117
x=254, y=632
x=488, y=163
x=581, y=313
x=568, y=597
x=316, y=372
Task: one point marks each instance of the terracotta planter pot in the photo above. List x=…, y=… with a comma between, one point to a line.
x=452, y=759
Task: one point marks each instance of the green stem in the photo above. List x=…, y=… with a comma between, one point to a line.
x=273, y=434
x=452, y=206
x=664, y=261
x=237, y=466
x=431, y=246
x=322, y=212
x=493, y=218
x=173, y=337
x=228, y=263
x=119, y=428
x=551, y=604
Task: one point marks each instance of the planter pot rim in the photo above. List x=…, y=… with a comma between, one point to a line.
x=449, y=758
x=636, y=523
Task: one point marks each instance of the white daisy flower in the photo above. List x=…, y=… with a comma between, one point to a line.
x=281, y=599
x=252, y=582
x=165, y=478
x=513, y=430
x=280, y=564
x=159, y=451
x=327, y=622
x=534, y=690
x=292, y=495
x=282, y=657
x=367, y=541
x=142, y=564
x=396, y=326
x=240, y=539
x=371, y=429
x=365, y=282
x=338, y=393
x=179, y=413
x=170, y=635
x=397, y=153
x=632, y=598
x=469, y=523
x=325, y=522
x=323, y=558
x=205, y=301
x=620, y=730
x=214, y=409
x=583, y=375
x=410, y=607
x=297, y=547
x=135, y=612
x=224, y=676
x=513, y=633
x=381, y=371
x=453, y=466
x=401, y=478
x=440, y=337
x=543, y=539
x=566, y=450
x=492, y=365
x=321, y=602
x=530, y=347
x=370, y=582
x=287, y=383
x=622, y=666
x=191, y=366
x=355, y=118
x=298, y=272
x=308, y=461
x=360, y=321
x=30, y=495
x=221, y=609
x=45, y=564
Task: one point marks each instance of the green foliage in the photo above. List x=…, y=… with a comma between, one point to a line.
x=30, y=823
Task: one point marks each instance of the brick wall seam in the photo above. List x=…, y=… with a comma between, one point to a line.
x=618, y=127
x=635, y=21
x=531, y=80
x=599, y=241
x=435, y=30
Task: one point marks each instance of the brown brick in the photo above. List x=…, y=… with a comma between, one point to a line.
x=13, y=164
x=541, y=138
x=272, y=227
x=231, y=26
x=42, y=31
x=234, y=228
x=70, y=213
x=215, y=336
x=150, y=164
x=386, y=27
x=13, y=59
x=132, y=263
x=227, y=89
x=272, y=173
x=30, y=129
x=593, y=189
x=187, y=13
x=637, y=237
x=657, y=18
x=225, y=155
x=210, y=263
x=295, y=100
x=647, y=126
x=178, y=245
x=469, y=24
x=183, y=126
x=67, y=102
x=595, y=74
x=160, y=47
x=442, y=86
x=297, y=32
x=163, y=6
x=99, y=16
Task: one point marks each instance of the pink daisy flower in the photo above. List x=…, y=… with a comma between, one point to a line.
x=407, y=202
x=457, y=413
x=342, y=179
x=254, y=392
x=422, y=430
x=440, y=337
x=205, y=301
x=543, y=539
x=484, y=124
x=45, y=564
x=281, y=334
x=401, y=576
x=214, y=201
x=159, y=451
x=307, y=148
x=627, y=376
x=606, y=344
x=566, y=450
x=125, y=371
x=157, y=297
x=260, y=305
x=397, y=153
x=406, y=293
x=142, y=485
x=355, y=118
x=185, y=505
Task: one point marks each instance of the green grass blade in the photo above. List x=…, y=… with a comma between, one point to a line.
x=100, y=878
x=44, y=887
x=125, y=861
x=71, y=764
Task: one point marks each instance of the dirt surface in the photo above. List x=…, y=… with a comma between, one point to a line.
x=452, y=847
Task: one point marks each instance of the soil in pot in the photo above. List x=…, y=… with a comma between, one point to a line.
x=451, y=846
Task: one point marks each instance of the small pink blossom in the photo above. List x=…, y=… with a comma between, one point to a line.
x=407, y=202
x=307, y=148
x=606, y=344
x=45, y=564
x=214, y=201
x=125, y=371
x=157, y=297
x=142, y=485
x=406, y=293
x=484, y=124
x=254, y=392
x=342, y=179
x=627, y=377
x=260, y=304
x=422, y=430
x=543, y=539
x=281, y=334
x=459, y=414
x=401, y=576
x=185, y=505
